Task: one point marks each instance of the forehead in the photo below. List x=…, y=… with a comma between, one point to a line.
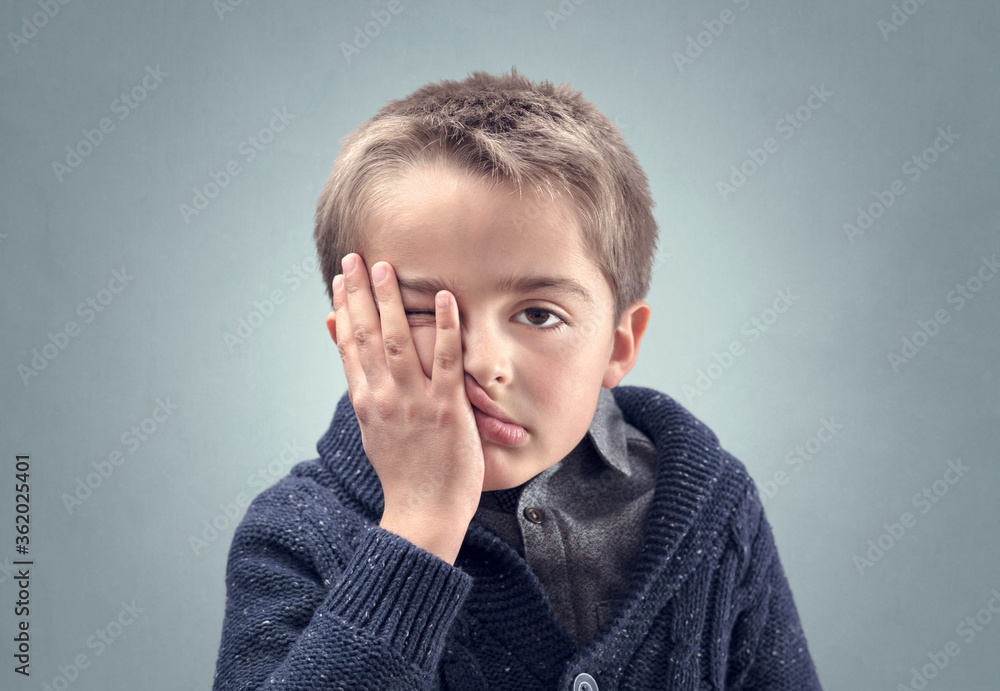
x=443, y=208
x=442, y=229
x=435, y=193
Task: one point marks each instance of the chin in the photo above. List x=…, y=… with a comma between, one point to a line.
x=496, y=475
x=494, y=481
x=488, y=487
x=504, y=472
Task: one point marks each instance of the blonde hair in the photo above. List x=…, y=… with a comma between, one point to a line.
x=502, y=129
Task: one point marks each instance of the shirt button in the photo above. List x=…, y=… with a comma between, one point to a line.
x=584, y=682
x=532, y=514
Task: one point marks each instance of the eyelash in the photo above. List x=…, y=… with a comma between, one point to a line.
x=555, y=327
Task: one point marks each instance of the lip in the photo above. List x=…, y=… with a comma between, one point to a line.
x=479, y=399
x=491, y=421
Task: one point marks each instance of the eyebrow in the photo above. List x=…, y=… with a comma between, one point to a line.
x=509, y=285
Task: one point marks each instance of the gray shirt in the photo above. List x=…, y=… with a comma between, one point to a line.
x=579, y=524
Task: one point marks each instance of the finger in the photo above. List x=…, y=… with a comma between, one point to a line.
x=400, y=353
x=448, y=371
x=345, y=340
x=366, y=332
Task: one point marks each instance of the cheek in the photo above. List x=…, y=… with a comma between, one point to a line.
x=573, y=361
x=567, y=380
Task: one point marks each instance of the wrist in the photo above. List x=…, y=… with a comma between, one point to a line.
x=441, y=537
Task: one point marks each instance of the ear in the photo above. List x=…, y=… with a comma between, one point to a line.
x=331, y=325
x=625, y=343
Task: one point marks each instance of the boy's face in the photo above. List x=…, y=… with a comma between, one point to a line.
x=541, y=354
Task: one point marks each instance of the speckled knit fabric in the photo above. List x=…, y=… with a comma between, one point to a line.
x=320, y=597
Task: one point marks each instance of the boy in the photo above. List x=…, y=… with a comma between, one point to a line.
x=488, y=510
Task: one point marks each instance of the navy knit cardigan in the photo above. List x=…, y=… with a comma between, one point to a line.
x=320, y=597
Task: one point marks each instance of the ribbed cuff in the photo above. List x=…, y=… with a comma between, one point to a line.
x=400, y=593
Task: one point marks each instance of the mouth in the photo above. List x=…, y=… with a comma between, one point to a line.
x=490, y=419
x=498, y=431
x=481, y=401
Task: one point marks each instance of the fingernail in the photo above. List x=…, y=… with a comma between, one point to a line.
x=378, y=273
x=349, y=262
x=338, y=281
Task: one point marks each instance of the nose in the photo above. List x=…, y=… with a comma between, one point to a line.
x=486, y=354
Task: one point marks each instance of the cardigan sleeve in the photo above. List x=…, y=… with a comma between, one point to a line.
x=768, y=647
x=380, y=623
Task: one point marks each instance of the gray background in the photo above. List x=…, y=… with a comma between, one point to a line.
x=245, y=411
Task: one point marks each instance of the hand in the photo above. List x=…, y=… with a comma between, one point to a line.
x=420, y=434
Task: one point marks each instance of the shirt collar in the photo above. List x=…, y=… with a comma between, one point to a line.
x=608, y=432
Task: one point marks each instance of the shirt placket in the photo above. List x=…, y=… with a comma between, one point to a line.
x=544, y=547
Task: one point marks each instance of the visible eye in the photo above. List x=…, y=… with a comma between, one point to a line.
x=544, y=315
x=538, y=318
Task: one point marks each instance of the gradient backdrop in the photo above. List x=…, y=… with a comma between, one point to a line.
x=825, y=297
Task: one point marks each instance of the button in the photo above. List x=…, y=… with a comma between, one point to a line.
x=532, y=514
x=584, y=682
